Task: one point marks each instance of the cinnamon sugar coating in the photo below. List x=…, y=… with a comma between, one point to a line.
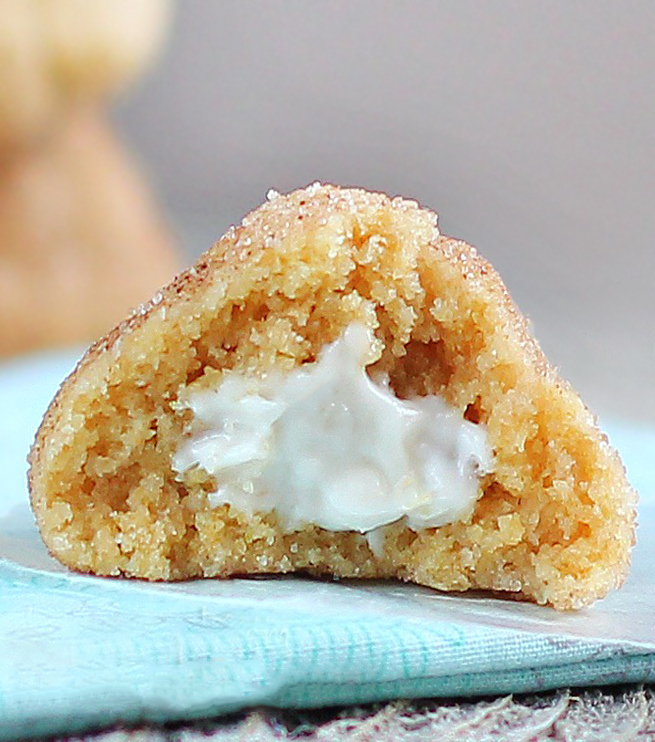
x=555, y=520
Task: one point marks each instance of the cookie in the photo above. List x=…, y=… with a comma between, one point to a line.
x=63, y=54
x=81, y=241
x=334, y=388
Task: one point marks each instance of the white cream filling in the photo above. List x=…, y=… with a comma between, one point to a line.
x=326, y=445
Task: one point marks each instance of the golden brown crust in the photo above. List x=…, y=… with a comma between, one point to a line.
x=555, y=525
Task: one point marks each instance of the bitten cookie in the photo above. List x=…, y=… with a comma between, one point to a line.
x=337, y=388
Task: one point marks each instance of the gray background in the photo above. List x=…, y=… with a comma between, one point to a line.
x=528, y=126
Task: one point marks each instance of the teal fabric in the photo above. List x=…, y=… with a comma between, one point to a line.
x=78, y=652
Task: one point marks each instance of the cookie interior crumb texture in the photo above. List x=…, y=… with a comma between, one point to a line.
x=553, y=521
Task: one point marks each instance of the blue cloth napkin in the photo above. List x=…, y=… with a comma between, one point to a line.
x=79, y=652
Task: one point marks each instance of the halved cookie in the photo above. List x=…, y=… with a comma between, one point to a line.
x=335, y=388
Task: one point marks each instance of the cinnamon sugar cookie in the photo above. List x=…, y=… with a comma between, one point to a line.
x=337, y=388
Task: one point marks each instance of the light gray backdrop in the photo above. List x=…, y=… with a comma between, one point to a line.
x=528, y=126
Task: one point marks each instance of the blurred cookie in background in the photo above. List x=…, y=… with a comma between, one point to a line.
x=81, y=240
